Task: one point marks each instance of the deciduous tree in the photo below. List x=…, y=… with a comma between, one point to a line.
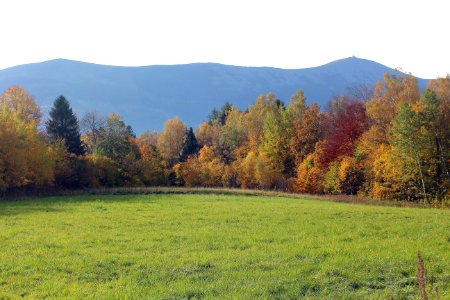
x=170, y=141
x=20, y=101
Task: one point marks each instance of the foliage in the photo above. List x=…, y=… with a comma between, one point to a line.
x=386, y=143
x=170, y=141
x=312, y=170
x=25, y=159
x=190, y=145
x=254, y=118
x=63, y=125
x=275, y=141
x=306, y=132
x=206, y=169
x=19, y=100
x=348, y=125
x=232, y=135
x=345, y=176
x=208, y=135
x=419, y=136
x=116, y=141
x=297, y=106
x=73, y=172
x=151, y=169
x=219, y=117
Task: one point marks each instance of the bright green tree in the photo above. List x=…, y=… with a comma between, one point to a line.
x=116, y=141
x=275, y=140
x=410, y=143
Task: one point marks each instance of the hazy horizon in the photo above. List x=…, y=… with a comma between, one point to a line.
x=288, y=34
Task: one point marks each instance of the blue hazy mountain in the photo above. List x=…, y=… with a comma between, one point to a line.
x=147, y=96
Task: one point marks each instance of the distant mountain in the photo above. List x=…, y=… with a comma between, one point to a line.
x=147, y=96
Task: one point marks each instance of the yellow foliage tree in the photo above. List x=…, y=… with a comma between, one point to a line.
x=254, y=119
x=25, y=159
x=205, y=170
x=208, y=135
x=390, y=179
x=255, y=171
x=344, y=176
x=20, y=101
x=311, y=171
x=246, y=171
x=170, y=140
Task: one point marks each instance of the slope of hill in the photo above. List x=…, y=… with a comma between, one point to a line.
x=147, y=96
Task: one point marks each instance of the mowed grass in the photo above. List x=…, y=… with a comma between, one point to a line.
x=173, y=246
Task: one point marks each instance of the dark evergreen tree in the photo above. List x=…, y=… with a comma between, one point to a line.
x=190, y=145
x=63, y=124
x=214, y=116
x=220, y=116
x=226, y=108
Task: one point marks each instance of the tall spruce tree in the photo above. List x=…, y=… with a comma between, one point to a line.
x=190, y=145
x=63, y=124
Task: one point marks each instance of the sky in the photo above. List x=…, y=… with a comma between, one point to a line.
x=411, y=35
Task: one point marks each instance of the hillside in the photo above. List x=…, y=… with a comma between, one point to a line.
x=147, y=96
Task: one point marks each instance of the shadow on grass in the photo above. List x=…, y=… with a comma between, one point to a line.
x=56, y=204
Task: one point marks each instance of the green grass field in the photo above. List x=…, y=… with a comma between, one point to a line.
x=174, y=246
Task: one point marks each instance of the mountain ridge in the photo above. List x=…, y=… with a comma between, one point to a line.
x=146, y=96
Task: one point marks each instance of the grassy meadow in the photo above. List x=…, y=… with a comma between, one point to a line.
x=173, y=246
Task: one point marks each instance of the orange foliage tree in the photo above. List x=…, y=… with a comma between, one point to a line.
x=206, y=169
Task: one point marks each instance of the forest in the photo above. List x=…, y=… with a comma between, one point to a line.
x=389, y=142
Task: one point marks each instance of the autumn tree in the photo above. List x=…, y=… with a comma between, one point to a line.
x=149, y=138
x=170, y=140
x=63, y=125
x=388, y=97
x=19, y=100
x=312, y=170
x=208, y=135
x=246, y=168
x=151, y=168
x=25, y=159
x=344, y=176
x=206, y=169
x=254, y=118
x=349, y=124
x=306, y=132
x=391, y=179
x=255, y=171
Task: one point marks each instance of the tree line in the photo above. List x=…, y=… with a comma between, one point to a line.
x=386, y=142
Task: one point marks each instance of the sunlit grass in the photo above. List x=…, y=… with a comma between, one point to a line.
x=217, y=246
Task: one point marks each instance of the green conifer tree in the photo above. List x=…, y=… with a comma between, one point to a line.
x=63, y=124
x=190, y=145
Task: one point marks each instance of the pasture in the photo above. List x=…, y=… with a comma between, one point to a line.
x=173, y=246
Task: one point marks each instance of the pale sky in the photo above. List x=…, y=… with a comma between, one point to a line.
x=412, y=35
